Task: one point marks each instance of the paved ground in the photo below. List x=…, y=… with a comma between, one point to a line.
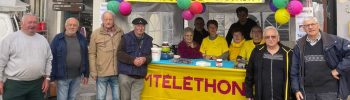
x=89, y=89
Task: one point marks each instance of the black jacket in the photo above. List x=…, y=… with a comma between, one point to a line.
x=254, y=75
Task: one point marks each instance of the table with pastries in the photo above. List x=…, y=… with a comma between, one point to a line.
x=189, y=80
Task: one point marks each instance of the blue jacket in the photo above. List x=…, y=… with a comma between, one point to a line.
x=59, y=52
x=129, y=49
x=337, y=56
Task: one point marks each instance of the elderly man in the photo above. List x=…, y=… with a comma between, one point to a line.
x=25, y=61
x=267, y=71
x=70, y=61
x=319, y=64
x=135, y=49
x=103, y=47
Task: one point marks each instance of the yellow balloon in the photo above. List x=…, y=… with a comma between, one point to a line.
x=282, y=16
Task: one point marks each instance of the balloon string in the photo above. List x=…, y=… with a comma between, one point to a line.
x=309, y=5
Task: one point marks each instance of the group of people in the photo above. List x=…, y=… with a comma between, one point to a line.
x=315, y=69
x=28, y=63
x=240, y=40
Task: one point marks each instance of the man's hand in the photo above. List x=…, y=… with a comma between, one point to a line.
x=139, y=61
x=299, y=95
x=249, y=98
x=45, y=85
x=1, y=87
x=335, y=74
x=94, y=77
x=85, y=80
x=143, y=60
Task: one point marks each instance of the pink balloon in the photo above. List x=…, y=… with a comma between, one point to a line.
x=125, y=8
x=196, y=7
x=187, y=15
x=295, y=7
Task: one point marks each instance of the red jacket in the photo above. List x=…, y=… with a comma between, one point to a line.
x=188, y=52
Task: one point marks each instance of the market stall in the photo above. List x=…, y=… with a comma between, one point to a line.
x=167, y=80
x=171, y=81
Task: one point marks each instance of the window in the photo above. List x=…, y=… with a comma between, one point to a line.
x=160, y=26
x=282, y=29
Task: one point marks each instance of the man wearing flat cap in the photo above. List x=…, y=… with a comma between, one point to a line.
x=135, y=49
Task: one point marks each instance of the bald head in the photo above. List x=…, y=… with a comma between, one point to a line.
x=29, y=24
x=71, y=26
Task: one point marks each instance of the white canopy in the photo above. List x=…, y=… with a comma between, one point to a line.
x=217, y=7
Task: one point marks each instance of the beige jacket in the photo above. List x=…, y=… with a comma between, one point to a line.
x=103, y=52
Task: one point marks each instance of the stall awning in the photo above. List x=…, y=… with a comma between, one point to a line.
x=203, y=1
x=211, y=7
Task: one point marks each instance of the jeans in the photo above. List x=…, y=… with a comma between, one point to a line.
x=103, y=82
x=321, y=96
x=67, y=89
x=130, y=87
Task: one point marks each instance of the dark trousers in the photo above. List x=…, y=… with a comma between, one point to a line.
x=321, y=96
x=23, y=90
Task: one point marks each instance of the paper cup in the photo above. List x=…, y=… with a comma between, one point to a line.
x=156, y=54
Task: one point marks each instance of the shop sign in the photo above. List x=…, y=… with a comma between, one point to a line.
x=68, y=7
x=75, y=1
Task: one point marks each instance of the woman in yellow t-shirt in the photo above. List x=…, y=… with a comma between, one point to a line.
x=236, y=45
x=257, y=39
x=214, y=46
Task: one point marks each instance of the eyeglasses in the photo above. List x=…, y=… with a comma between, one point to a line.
x=308, y=25
x=270, y=37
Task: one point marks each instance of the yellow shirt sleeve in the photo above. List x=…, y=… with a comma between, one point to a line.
x=203, y=47
x=246, y=49
x=224, y=46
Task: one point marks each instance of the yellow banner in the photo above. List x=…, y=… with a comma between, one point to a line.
x=169, y=82
x=202, y=1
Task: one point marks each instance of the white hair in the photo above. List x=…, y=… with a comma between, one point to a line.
x=24, y=17
x=110, y=12
x=71, y=18
x=270, y=28
x=310, y=18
